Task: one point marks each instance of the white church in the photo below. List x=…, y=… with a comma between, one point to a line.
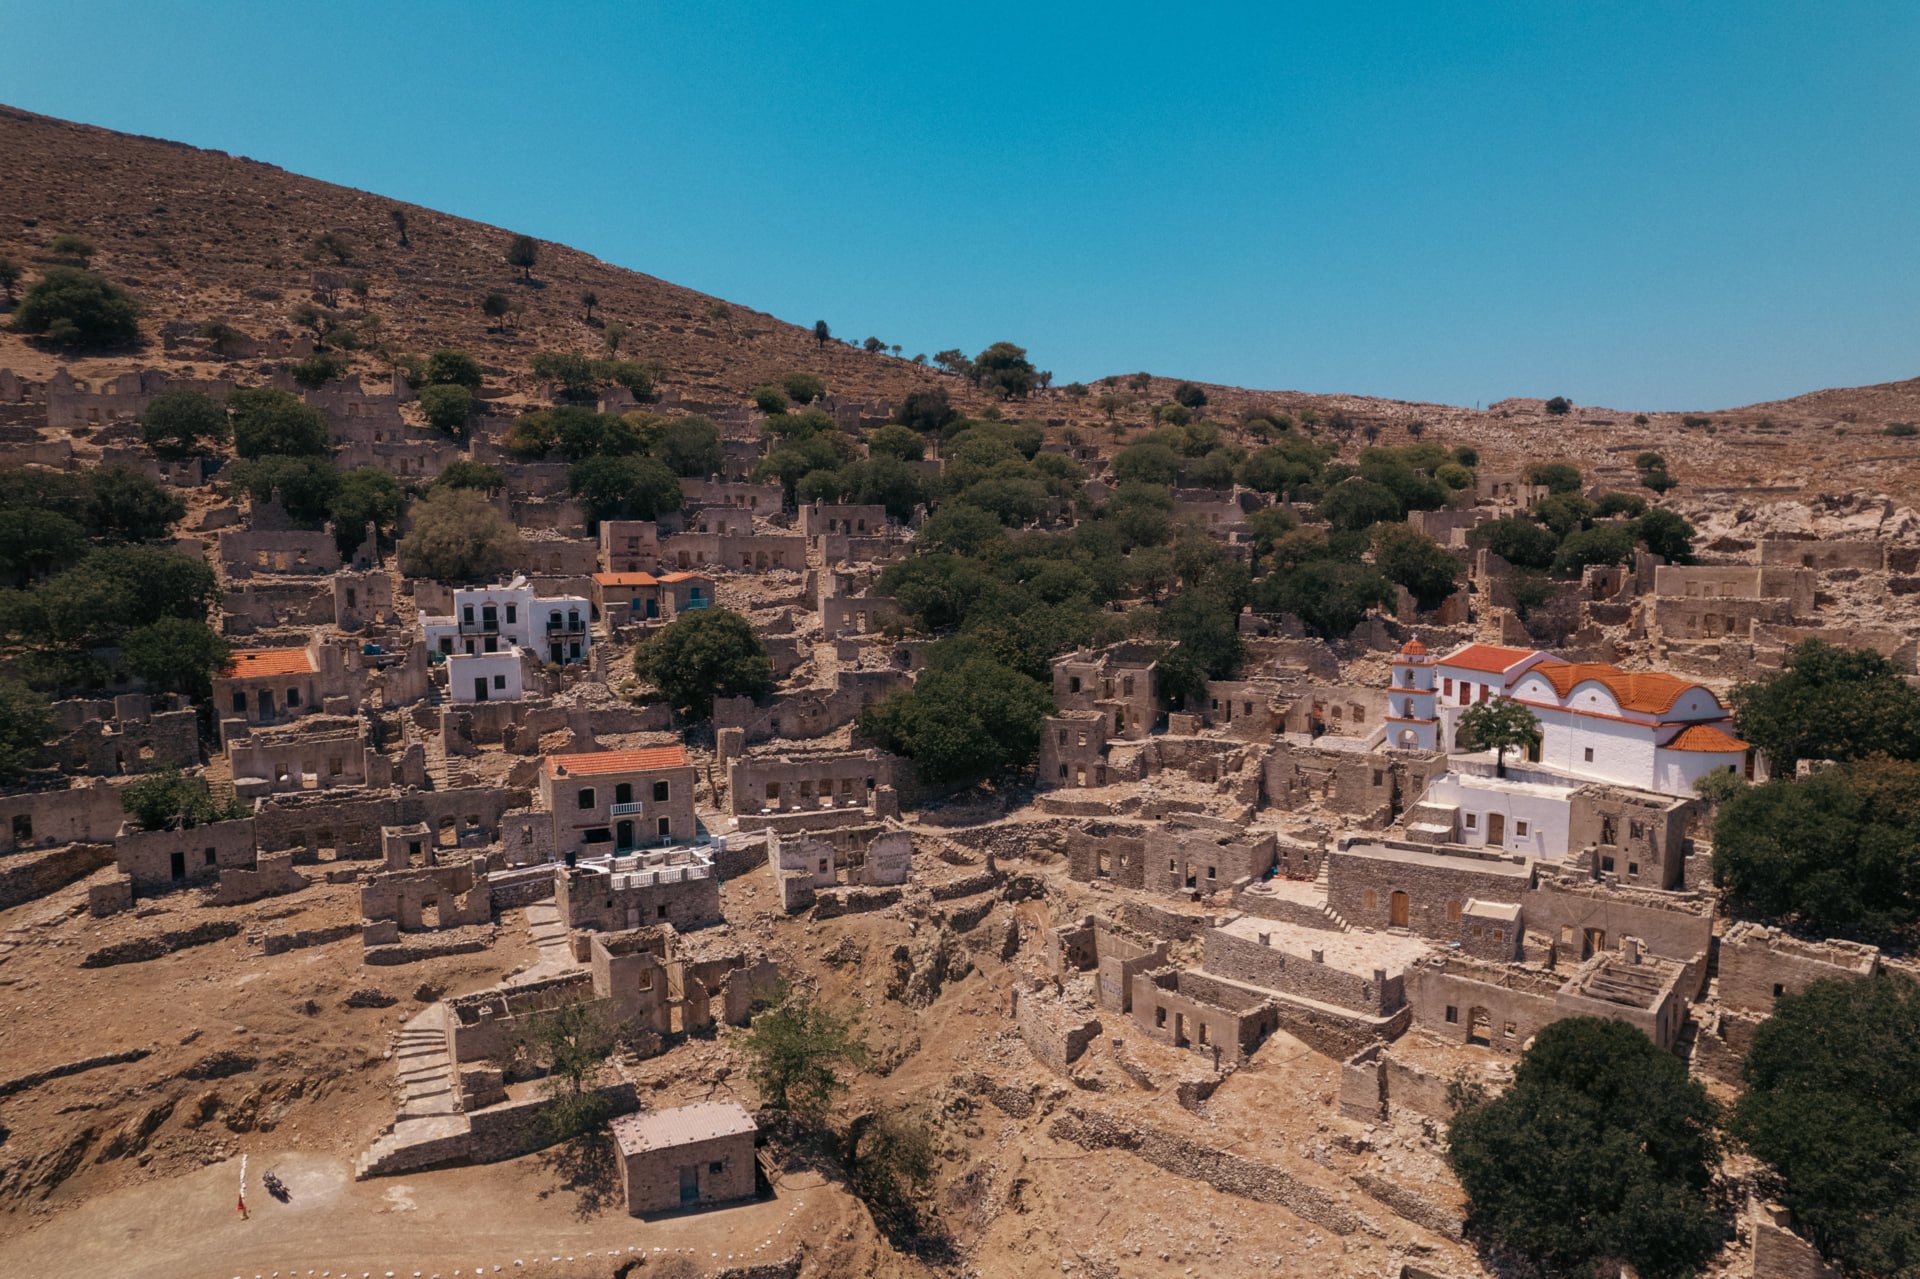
x=1648, y=730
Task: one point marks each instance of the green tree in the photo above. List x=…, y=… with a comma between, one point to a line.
x=177, y=655
x=967, y=718
x=1833, y=1104
x=897, y=442
x=1189, y=396
x=523, y=252
x=894, y=1158
x=1829, y=703
x=925, y=409
x=495, y=306
x=1555, y=477
x=959, y=527
x=701, y=655
x=575, y=377
x=179, y=423
x=368, y=495
x=453, y=368
x=1358, y=503
x=1500, y=725
x=1605, y=544
x=317, y=370
x=125, y=505
x=589, y=299
x=1412, y=559
x=1329, y=596
x=569, y=1045
x=1004, y=369
x=1837, y=851
x=1601, y=1152
x=447, y=408
x=305, y=486
x=72, y=307
x=1559, y=406
x=769, y=398
x=35, y=542
x=954, y=361
x=455, y=535
x=691, y=446
x=464, y=473
x=1666, y=534
x=1517, y=540
x=26, y=722
x=171, y=800
x=796, y=1052
x=623, y=488
x=269, y=421
x=803, y=388
x=821, y=332
x=9, y=276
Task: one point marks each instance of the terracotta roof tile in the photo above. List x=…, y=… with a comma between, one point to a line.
x=256, y=663
x=1491, y=658
x=646, y=760
x=626, y=579
x=1707, y=738
x=1649, y=692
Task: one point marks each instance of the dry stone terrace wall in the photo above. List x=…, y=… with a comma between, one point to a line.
x=1229, y=1174
x=351, y=825
x=90, y=812
x=1273, y=967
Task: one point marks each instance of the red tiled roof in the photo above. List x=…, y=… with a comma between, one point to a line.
x=685, y=577
x=1706, y=738
x=1414, y=648
x=646, y=760
x=1491, y=658
x=1649, y=692
x=626, y=579
x=255, y=663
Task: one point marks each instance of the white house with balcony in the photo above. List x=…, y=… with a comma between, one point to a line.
x=490, y=628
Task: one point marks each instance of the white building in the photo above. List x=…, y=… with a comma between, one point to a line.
x=493, y=619
x=1644, y=729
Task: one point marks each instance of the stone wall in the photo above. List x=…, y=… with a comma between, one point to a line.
x=1362, y=882
x=1275, y=968
x=1056, y=1033
x=90, y=812
x=157, y=860
x=1759, y=964
x=1581, y=915
x=28, y=876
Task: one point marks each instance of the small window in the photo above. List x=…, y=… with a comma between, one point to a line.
x=499, y=681
x=660, y=911
x=1606, y=864
x=1587, y=754
x=1520, y=828
x=1212, y=874
x=585, y=799
x=513, y=613
x=1371, y=900
x=716, y=1168
x=1453, y=1013
x=1160, y=1014
x=1633, y=868
x=1511, y=1030
x=293, y=697
x=211, y=857
x=1779, y=989
x=1472, y=820
x=660, y=792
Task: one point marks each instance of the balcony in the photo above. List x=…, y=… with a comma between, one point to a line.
x=557, y=625
x=487, y=625
x=624, y=810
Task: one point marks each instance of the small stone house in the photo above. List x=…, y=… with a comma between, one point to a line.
x=689, y=1157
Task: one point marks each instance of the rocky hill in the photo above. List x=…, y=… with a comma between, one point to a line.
x=204, y=236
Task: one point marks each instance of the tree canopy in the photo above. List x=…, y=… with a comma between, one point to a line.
x=26, y=722
x=1837, y=851
x=968, y=718
x=268, y=421
x=704, y=654
x=1600, y=1152
x=181, y=423
x=797, y=1051
x=1833, y=1104
x=455, y=535
x=1500, y=725
x=1829, y=703
x=631, y=488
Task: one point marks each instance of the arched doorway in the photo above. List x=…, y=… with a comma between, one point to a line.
x=1399, y=909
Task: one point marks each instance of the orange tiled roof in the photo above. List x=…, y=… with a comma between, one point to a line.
x=1707, y=738
x=1649, y=692
x=645, y=760
x=685, y=577
x=1491, y=658
x=254, y=663
x=1414, y=648
x=626, y=579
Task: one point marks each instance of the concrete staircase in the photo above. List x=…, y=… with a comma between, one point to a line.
x=550, y=937
x=427, y=1129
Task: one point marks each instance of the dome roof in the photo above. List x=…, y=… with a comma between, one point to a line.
x=1413, y=648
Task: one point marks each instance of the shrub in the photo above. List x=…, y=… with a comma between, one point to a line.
x=453, y=368
x=1559, y=406
x=1586, y=547
x=76, y=308
x=1413, y=560
x=962, y=722
x=26, y=722
x=1556, y=477
x=316, y=371
x=803, y=388
x=769, y=398
x=1902, y=430
x=523, y=252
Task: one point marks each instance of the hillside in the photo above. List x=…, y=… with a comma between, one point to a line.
x=202, y=235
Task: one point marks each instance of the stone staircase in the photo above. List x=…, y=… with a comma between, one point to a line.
x=1335, y=920
x=427, y=1128
x=550, y=937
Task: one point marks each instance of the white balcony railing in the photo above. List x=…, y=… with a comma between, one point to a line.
x=625, y=810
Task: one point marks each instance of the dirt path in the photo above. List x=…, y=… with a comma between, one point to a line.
x=505, y=1218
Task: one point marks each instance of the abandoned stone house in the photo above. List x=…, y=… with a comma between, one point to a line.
x=1168, y=860
x=1073, y=750
x=845, y=781
x=1501, y=1006
x=423, y=898
x=613, y=801
x=158, y=860
x=88, y=811
x=677, y=886
x=686, y=1157
x=622, y=598
x=132, y=733
x=804, y=865
x=272, y=685
x=817, y=519
x=1121, y=682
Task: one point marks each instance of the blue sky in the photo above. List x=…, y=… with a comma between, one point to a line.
x=1674, y=205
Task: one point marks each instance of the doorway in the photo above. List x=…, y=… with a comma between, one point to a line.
x=689, y=1184
x=1497, y=829
x=179, y=867
x=1399, y=910
x=479, y=688
x=1479, y=1027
